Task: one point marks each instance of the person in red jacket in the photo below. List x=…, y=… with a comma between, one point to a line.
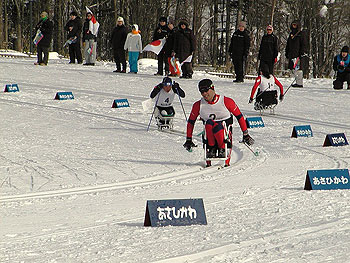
x=266, y=82
x=213, y=110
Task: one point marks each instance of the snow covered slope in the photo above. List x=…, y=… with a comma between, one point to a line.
x=75, y=175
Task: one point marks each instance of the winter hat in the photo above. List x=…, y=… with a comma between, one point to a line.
x=183, y=22
x=167, y=81
x=345, y=49
x=73, y=13
x=163, y=19
x=45, y=14
x=205, y=85
x=135, y=29
x=269, y=27
x=120, y=19
x=243, y=24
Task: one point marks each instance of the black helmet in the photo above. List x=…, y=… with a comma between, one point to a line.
x=167, y=81
x=205, y=85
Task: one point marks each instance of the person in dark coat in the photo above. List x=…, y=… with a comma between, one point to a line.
x=239, y=49
x=268, y=51
x=184, y=46
x=73, y=27
x=169, y=44
x=341, y=66
x=160, y=32
x=90, y=31
x=45, y=26
x=119, y=35
x=295, y=50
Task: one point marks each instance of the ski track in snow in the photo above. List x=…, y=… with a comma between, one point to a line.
x=257, y=209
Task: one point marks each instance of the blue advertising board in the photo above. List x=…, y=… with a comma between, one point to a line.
x=64, y=96
x=119, y=103
x=302, y=131
x=335, y=139
x=11, y=88
x=255, y=122
x=327, y=179
x=177, y=212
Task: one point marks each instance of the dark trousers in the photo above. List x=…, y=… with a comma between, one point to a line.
x=162, y=59
x=270, y=65
x=75, y=52
x=238, y=63
x=187, y=69
x=341, y=77
x=43, y=50
x=119, y=58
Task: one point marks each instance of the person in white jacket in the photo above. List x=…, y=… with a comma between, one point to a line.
x=134, y=46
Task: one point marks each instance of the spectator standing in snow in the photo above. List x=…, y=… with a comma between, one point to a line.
x=73, y=27
x=268, y=50
x=118, y=39
x=161, y=32
x=90, y=31
x=239, y=50
x=134, y=46
x=169, y=44
x=341, y=66
x=45, y=26
x=295, y=51
x=184, y=46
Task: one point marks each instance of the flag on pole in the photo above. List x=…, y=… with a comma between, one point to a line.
x=188, y=59
x=93, y=24
x=156, y=46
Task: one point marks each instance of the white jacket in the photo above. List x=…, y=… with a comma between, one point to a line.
x=133, y=42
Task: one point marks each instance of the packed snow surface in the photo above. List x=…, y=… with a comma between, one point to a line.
x=75, y=175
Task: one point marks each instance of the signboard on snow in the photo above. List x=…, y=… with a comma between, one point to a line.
x=120, y=103
x=177, y=212
x=327, y=179
x=335, y=139
x=255, y=122
x=11, y=88
x=302, y=131
x=64, y=96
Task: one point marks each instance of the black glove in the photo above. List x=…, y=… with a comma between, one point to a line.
x=189, y=144
x=159, y=86
x=248, y=140
x=281, y=97
x=250, y=100
x=175, y=87
x=340, y=67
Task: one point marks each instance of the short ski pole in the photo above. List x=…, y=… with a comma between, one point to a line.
x=154, y=109
x=256, y=153
x=181, y=104
x=289, y=86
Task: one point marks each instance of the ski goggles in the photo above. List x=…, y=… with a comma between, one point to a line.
x=205, y=89
x=167, y=83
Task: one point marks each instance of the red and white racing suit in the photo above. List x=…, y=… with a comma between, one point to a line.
x=213, y=114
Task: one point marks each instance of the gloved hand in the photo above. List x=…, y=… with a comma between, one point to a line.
x=175, y=87
x=250, y=100
x=281, y=97
x=247, y=139
x=159, y=86
x=189, y=144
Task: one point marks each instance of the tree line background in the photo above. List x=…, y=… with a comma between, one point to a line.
x=326, y=23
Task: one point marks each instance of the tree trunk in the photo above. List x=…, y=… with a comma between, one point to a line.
x=215, y=34
x=18, y=42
